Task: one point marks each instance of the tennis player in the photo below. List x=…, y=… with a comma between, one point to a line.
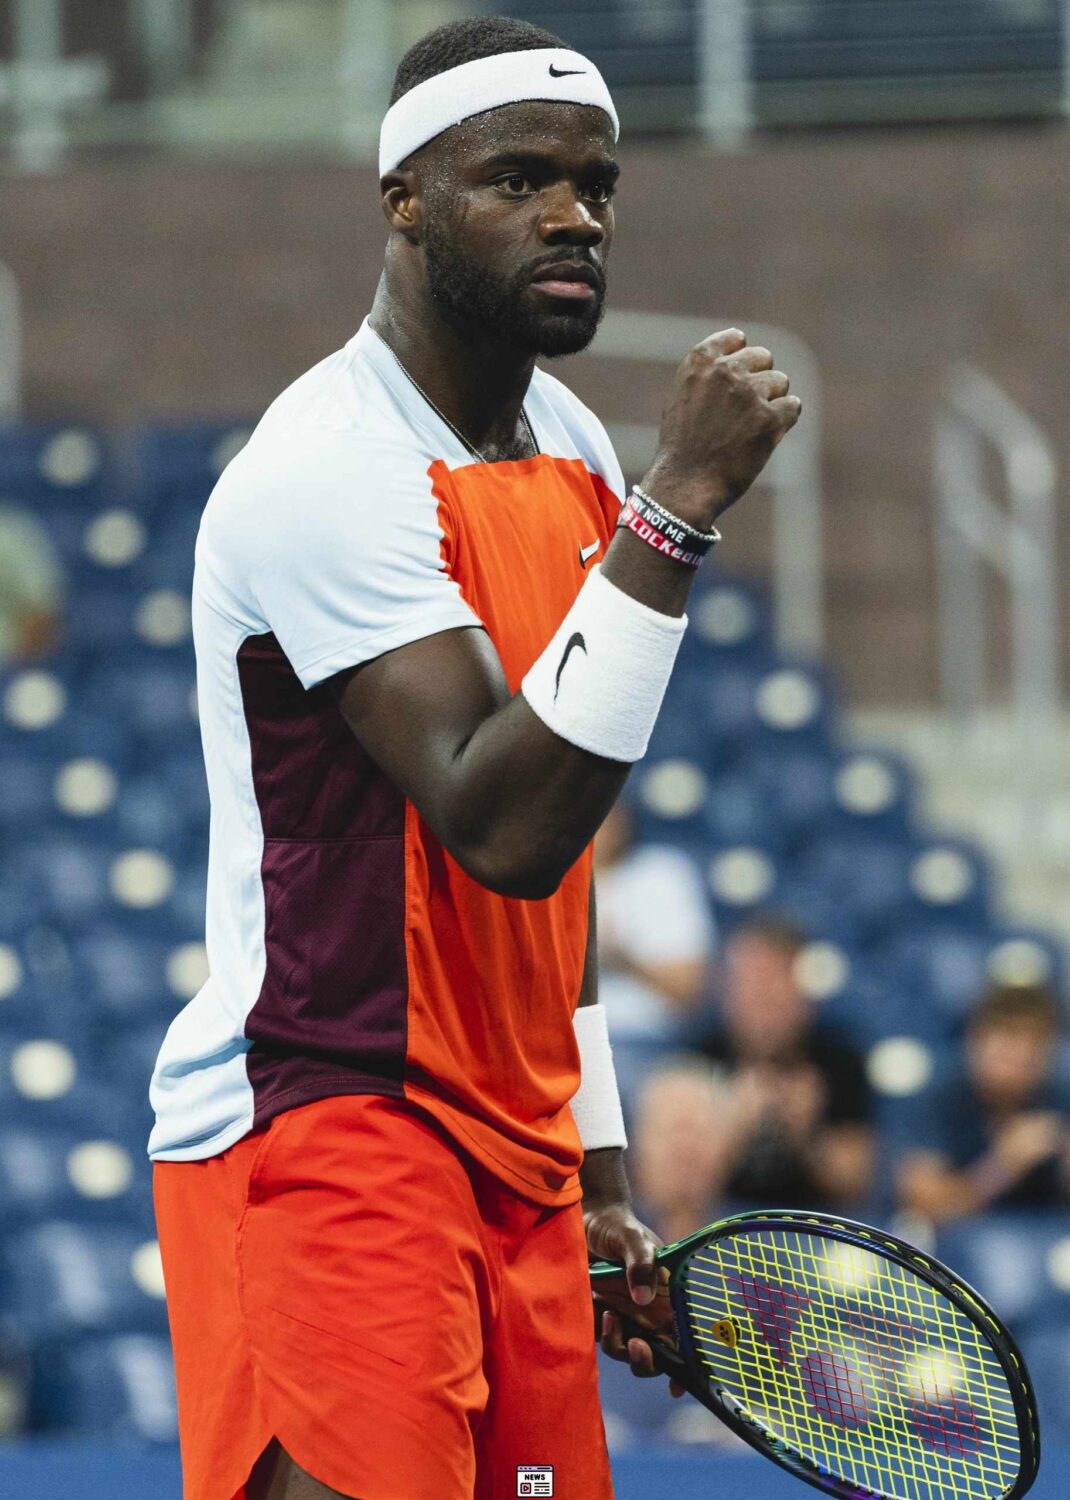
x=432, y=635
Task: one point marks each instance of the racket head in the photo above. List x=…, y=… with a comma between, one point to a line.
x=850, y=1358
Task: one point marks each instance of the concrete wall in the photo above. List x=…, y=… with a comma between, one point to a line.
x=178, y=288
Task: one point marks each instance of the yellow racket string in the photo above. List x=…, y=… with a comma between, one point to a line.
x=856, y=1363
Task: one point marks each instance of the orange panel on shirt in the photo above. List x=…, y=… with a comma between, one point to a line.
x=493, y=981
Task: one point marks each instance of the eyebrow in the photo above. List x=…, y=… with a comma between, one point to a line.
x=536, y=162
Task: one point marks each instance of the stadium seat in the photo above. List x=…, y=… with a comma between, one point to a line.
x=865, y=877
x=949, y=882
x=130, y=1056
x=168, y=562
x=152, y=690
x=872, y=795
x=793, y=704
x=1020, y=1262
x=122, y=976
x=27, y=799
x=118, y=1387
x=50, y=467
x=729, y=621
x=797, y=783
x=62, y=1173
x=64, y=1278
x=949, y=967
x=52, y=1084
x=177, y=466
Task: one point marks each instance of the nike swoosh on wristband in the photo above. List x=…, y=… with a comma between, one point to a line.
x=566, y=72
x=575, y=643
x=586, y=553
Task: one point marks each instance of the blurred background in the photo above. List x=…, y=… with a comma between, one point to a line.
x=852, y=832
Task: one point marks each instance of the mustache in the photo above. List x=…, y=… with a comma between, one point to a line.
x=587, y=261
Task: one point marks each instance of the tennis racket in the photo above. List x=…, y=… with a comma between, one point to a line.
x=848, y=1357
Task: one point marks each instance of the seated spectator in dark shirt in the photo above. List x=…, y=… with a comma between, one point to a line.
x=997, y=1133
x=793, y=1124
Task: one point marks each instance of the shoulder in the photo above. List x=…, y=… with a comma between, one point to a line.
x=582, y=433
x=299, y=481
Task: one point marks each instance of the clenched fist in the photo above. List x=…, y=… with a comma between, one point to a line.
x=727, y=411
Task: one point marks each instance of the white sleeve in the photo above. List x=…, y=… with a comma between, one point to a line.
x=662, y=884
x=346, y=561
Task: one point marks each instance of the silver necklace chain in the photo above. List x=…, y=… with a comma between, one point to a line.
x=458, y=434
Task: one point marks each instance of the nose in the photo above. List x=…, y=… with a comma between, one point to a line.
x=567, y=220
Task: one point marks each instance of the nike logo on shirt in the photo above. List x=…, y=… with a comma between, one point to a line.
x=565, y=72
x=586, y=553
x=575, y=642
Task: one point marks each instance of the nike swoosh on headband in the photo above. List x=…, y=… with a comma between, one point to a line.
x=565, y=72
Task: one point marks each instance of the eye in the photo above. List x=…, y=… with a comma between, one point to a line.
x=515, y=184
x=601, y=190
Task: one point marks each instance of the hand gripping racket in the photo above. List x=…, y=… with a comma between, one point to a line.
x=848, y=1357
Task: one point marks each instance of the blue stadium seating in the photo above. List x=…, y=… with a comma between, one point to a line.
x=1021, y=1262
x=118, y=1386
x=63, y=1278
x=62, y=1173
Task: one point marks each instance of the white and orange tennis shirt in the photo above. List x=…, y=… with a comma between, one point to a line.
x=348, y=952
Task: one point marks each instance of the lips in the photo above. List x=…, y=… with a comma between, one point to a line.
x=567, y=280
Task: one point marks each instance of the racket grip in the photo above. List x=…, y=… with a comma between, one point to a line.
x=666, y=1359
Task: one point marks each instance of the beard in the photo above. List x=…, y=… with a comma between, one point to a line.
x=476, y=299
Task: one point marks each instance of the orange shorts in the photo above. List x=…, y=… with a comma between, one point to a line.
x=348, y=1281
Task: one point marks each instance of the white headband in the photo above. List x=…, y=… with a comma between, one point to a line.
x=488, y=83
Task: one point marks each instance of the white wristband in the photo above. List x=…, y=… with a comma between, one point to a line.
x=600, y=681
x=596, y=1104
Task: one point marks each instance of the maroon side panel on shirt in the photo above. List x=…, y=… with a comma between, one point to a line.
x=331, y=1014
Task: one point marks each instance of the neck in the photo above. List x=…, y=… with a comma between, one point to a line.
x=477, y=382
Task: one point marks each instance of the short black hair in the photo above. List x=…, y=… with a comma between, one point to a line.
x=1015, y=1005
x=464, y=41
x=777, y=930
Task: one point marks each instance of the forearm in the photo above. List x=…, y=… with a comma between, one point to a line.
x=940, y=1192
x=521, y=804
x=604, y=1179
x=678, y=982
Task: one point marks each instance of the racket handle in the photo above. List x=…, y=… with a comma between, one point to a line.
x=666, y=1360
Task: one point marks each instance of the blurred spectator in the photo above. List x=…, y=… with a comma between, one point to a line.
x=30, y=588
x=675, y=1159
x=793, y=1127
x=655, y=933
x=997, y=1134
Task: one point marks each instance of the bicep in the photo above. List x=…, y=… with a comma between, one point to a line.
x=415, y=709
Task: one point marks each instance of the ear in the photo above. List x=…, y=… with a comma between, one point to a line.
x=402, y=203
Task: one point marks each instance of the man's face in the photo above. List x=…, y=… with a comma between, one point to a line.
x=764, y=1008
x=1009, y=1062
x=517, y=224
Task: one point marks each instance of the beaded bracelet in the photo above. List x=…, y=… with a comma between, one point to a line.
x=709, y=537
x=663, y=531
